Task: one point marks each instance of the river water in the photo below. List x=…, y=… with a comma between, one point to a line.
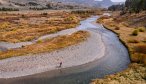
x=115, y=59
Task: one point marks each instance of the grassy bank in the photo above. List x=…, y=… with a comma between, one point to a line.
x=119, y=39
x=47, y=45
x=19, y=27
x=135, y=74
x=133, y=36
x=26, y=27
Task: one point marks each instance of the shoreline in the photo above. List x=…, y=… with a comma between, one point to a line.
x=120, y=40
x=115, y=59
x=28, y=65
x=9, y=45
x=135, y=73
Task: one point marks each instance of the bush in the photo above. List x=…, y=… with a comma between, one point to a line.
x=36, y=8
x=9, y=9
x=144, y=41
x=138, y=57
x=140, y=48
x=135, y=33
x=22, y=16
x=40, y=41
x=117, y=28
x=45, y=14
x=141, y=30
x=133, y=41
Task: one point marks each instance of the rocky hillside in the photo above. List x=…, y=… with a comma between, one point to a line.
x=23, y=4
x=54, y=4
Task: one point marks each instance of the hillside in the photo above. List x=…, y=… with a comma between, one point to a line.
x=54, y=4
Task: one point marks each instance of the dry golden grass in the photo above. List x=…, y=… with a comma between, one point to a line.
x=31, y=26
x=136, y=73
x=130, y=35
x=25, y=27
x=47, y=45
x=133, y=41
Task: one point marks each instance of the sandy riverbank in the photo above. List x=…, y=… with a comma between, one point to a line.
x=79, y=54
x=7, y=45
x=86, y=58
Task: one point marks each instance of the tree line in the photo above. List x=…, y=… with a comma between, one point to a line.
x=132, y=6
x=8, y=9
x=135, y=5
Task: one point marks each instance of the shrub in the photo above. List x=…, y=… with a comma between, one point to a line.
x=39, y=41
x=141, y=30
x=144, y=41
x=140, y=48
x=112, y=25
x=135, y=33
x=22, y=16
x=45, y=14
x=133, y=41
x=138, y=57
x=9, y=9
x=117, y=28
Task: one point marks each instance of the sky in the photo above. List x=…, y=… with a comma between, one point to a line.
x=118, y=0
x=115, y=0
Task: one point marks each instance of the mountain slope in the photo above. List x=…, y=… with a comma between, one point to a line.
x=27, y=4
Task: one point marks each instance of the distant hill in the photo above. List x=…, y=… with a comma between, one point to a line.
x=106, y=3
x=55, y=4
x=91, y=3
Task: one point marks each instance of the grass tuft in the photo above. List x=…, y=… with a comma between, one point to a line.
x=117, y=28
x=141, y=29
x=133, y=41
x=135, y=33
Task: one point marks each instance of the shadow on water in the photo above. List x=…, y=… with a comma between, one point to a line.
x=115, y=59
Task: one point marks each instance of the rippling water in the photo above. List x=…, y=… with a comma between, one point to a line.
x=116, y=59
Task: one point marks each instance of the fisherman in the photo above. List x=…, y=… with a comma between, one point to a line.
x=60, y=64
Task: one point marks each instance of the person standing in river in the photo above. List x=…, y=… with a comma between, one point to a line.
x=60, y=64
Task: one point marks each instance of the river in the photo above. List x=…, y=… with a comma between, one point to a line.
x=115, y=59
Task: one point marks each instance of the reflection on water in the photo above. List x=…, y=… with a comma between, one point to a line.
x=116, y=59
